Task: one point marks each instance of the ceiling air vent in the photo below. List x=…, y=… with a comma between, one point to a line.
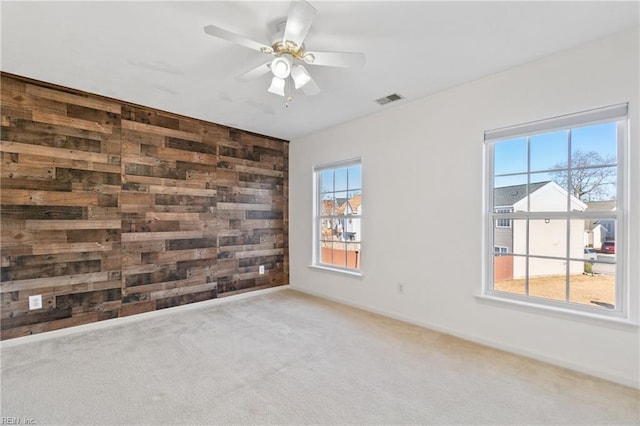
x=390, y=98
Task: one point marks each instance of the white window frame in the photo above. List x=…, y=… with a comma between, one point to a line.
x=318, y=218
x=616, y=113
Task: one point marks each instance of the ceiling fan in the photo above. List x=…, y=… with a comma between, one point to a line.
x=287, y=47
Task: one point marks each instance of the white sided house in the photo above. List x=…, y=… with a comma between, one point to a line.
x=547, y=237
x=351, y=226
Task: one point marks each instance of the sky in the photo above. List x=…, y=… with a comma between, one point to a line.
x=345, y=182
x=548, y=150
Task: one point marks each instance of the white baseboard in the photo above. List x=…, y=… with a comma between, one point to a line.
x=616, y=378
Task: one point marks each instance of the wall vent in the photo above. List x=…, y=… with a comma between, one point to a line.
x=390, y=98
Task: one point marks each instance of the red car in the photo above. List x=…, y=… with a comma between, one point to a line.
x=608, y=247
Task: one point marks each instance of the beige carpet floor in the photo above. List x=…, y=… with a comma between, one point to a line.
x=288, y=358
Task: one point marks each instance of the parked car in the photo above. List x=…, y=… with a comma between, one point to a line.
x=590, y=253
x=608, y=247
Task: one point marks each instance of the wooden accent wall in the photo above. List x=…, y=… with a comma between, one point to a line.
x=110, y=209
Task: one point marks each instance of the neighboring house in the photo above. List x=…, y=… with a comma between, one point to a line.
x=607, y=231
x=594, y=234
x=546, y=237
x=351, y=226
x=328, y=208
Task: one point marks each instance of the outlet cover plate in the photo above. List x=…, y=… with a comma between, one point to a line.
x=35, y=302
x=261, y=269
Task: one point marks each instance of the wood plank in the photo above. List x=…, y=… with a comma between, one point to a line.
x=128, y=309
x=69, y=154
x=89, y=102
x=179, y=190
x=142, y=269
x=240, y=253
x=48, y=198
x=26, y=171
x=173, y=256
x=147, y=161
x=243, y=206
x=36, y=225
x=142, y=246
x=161, y=131
x=166, y=287
x=47, y=282
x=179, y=291
x=103, y=213
x=71, y=164
x=18, y=238
x=71, y=248
x=153, y=236
x=76, y=123
x=187, y=156
x=96, y=187
x=154, y=215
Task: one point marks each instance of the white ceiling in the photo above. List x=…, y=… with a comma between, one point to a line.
x=157, y=54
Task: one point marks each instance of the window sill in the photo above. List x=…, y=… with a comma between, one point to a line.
x=585, y=317
x=338, y=271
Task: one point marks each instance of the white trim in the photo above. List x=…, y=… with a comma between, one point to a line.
x=338, y=164
x=594, y=116
x=348, y=272
x=116, y=322
x=571, y=365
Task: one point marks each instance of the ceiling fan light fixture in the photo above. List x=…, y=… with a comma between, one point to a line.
x=281, y=67
x=277, y=86
x=300, y=76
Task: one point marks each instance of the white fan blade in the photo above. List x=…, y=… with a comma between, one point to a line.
x=311, y=88
x=258, y=71
x=335, y=59
x=238, y=39
x=299, y=21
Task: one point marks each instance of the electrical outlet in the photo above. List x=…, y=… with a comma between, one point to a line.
x=35, y=302
x=261, y=269
x=400, y=288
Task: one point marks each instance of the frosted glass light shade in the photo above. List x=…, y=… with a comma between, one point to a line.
x=300, y=76
x=277, y=86
x=281, y=67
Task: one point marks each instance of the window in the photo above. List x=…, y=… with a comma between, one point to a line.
x=503, y=223
x=554, y=194
x=338, y=215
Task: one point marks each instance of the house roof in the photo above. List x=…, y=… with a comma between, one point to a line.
x=601, y=206
x=328, y=207
x=354, y=202
x=509, y=195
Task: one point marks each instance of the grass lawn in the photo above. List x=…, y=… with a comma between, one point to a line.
x=584, y=288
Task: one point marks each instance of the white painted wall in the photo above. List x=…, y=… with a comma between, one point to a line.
x=426, y=156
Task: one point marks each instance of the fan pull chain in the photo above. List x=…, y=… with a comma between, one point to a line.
x=287, y=92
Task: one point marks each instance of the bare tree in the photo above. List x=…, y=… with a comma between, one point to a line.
x=590, y=178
